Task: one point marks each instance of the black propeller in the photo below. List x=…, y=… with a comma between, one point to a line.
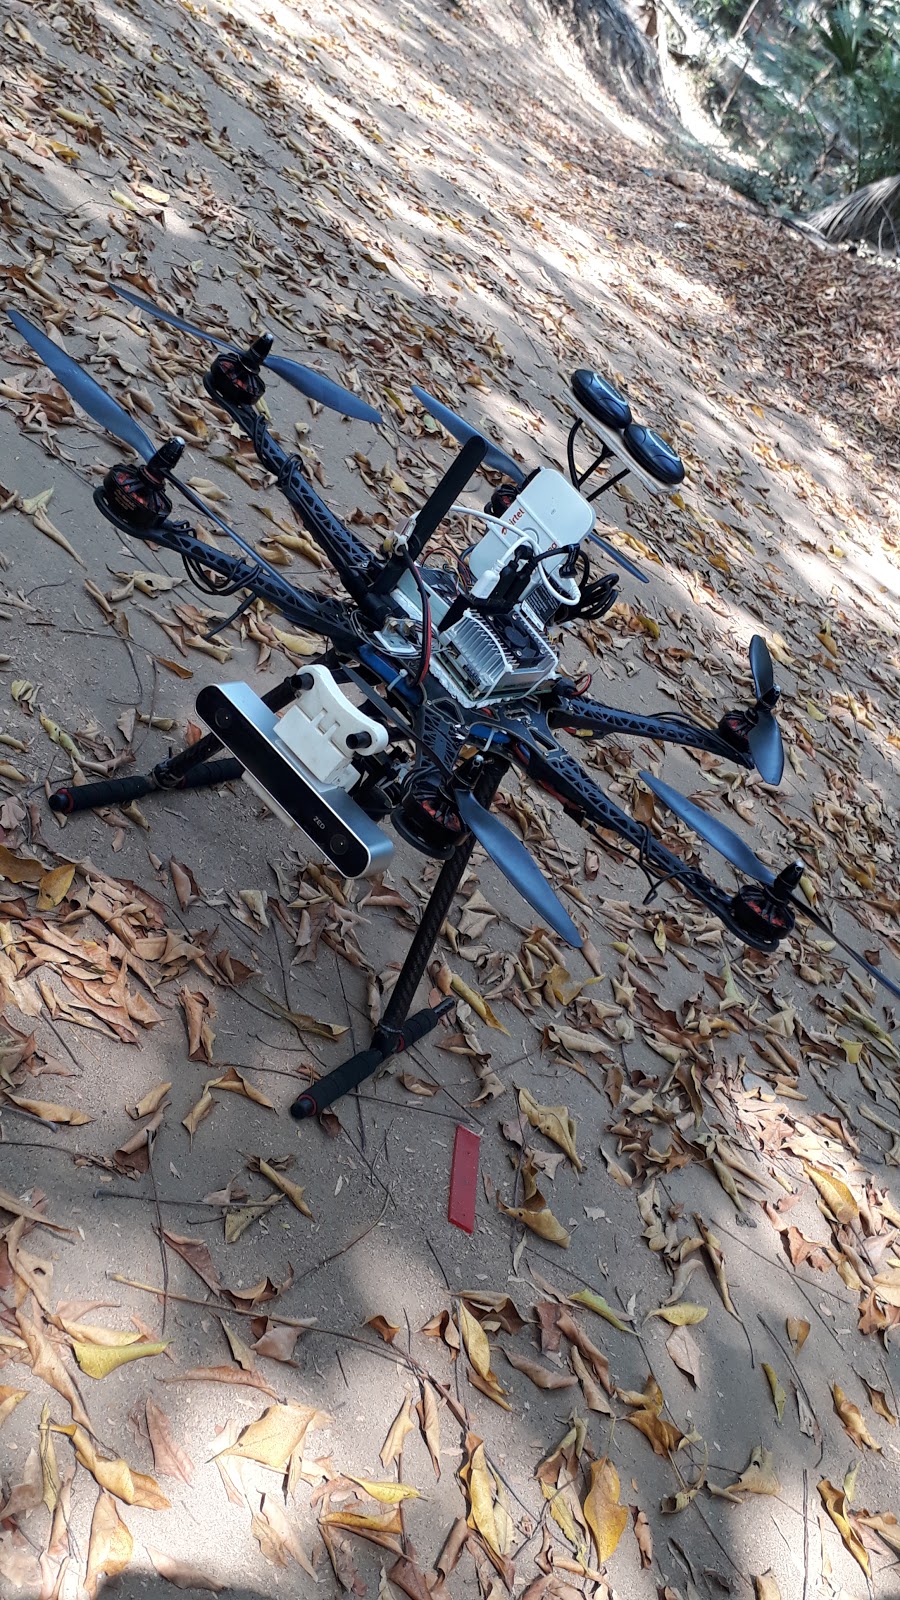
x=732, y=847
x=763, y=732
x=516, y=864
x=494, y=458
x=106, y=411
x=310, y=383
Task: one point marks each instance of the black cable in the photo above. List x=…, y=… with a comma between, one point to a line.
x=425, y=651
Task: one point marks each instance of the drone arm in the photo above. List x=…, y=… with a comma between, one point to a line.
x=560, y=775
x=316, y=613
x=586, y=717
x=353, y=562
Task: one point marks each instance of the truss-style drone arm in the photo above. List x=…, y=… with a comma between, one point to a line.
x=560, y=775
x=353, y=562
x=317, y=613
x=582, y=716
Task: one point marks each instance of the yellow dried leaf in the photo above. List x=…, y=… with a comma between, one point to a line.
x=543, y=1223
x=836, y=1195
x=476, y=1001
x=683, y=1315
x=595, y=1302
x=777, y=1388
x=237, y=1222
x=273, y=1437
x=98, y=1361
x=759, y=1476
x=135, y=1488
x=835, y=1503
x=54, y=886
x=475, y=1340
x=390, y=1494
x=605, y=1517
x=797, y=1332
x=554, y=1121
x=852, y=1419
x=402, y=1424
x=293, y=1191
x=480, y=1485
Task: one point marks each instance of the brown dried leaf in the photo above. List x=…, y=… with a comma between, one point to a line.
x=197, y=1256
x=542, y=1377
x=853, y=1420
x=169, y=1459
x=135, y=1488
x=111, y=1545
x=402, y=1424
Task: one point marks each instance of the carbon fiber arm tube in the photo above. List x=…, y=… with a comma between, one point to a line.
x=348, y=554
x=318, y=613
x=580, y=716
x=560, y=775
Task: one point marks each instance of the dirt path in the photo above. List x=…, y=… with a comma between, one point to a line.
x=438, y=194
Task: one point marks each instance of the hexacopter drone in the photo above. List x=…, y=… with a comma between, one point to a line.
x=453, y=673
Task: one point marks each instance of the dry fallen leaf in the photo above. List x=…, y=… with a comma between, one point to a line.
x=135, y=1488
x=777, y=1388
x=402, y=1424
x=605, y=1517
x=683, y=1315
x=169, y=1459
x=9, y=1399
x=852, y=1419
x=685, y=1352
x=759, y=1476
x=835, y=1503
x=543, y=1377
x=543, y=1223
x=390, y=1494
x=273, y=1437
x=98, y=1361
x=555, y=1121
x=111, y=1545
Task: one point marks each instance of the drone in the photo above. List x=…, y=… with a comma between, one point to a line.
x=436, y=678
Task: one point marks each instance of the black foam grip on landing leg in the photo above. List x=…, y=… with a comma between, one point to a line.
x=110, y=792
x=344, y=1078
x=121, y=791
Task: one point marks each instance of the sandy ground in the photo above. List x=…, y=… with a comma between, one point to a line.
x=441, y=194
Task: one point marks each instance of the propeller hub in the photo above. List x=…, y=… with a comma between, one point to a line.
x=788, y=879
x=164, y=461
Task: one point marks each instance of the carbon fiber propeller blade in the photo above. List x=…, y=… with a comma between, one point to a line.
x=495, y=459
x=764, y=737
x=84, y=389
x=741, y=856
x=316, y=387
x=766, y=746
x=312, y=384
x=517, y=865
x=716, y=833
x=761, y=667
